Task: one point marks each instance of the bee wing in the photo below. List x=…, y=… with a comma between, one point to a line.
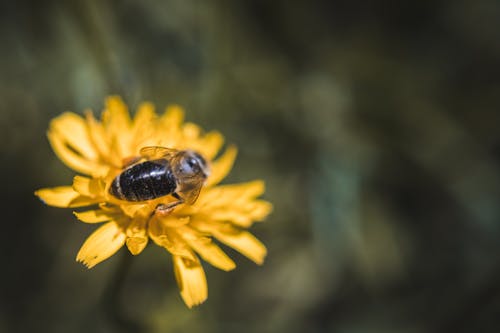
x=191, y=192
x=156, y=152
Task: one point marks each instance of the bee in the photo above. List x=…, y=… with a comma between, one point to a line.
x=163, y=171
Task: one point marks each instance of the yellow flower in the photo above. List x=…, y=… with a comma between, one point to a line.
x=99, y=150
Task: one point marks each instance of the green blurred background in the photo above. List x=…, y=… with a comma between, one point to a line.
x=375, y=125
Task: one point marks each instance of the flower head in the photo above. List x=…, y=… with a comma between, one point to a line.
x=101, y=150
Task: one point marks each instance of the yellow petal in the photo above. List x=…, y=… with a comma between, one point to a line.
x=115, y=155
x=116, y=121
x=167, y=237
x=242, y=214
x=229, y=194
x=136, y=244
x=90, y=187
x=94, y=216
x=221, y=167
x=260, y=210
x=144, y=115
x=101, y=244
x=247, y=190
x=97, y=135
x=71, y=157
x=169, y=127
x=73, y=129
x=209, y=145
x=245, y=243
x=63, y=196
x=207, y=249
x=131, y=209
x=190, y=133
x=173, y=117
x=118, y=116
x=143, y=129
x=173, y=221
x=191, y=280
x=57, y=196
x=137, y=235
x=242, y=241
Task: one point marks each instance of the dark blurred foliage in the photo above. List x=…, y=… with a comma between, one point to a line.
x=374, y=123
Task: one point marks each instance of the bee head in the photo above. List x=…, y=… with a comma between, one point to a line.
x=192, y=164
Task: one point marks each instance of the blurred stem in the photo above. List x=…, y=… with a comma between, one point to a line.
x=111, y=303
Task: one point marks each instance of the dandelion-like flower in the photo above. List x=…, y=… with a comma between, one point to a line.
x=101, y=150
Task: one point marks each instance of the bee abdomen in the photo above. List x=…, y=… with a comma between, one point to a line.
x=143, y=181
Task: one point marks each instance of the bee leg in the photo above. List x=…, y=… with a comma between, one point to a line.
x=165, y=209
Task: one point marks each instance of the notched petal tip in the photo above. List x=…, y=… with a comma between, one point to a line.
x=101, y=244
x=84, y=263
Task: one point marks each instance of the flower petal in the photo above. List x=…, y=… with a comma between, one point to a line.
x=245, y=243
x=101, y=244
x=173, y=116
x=169, y=127
x=234, y=203
x=97, y=135
x=207, y=249
x=242, y=241
x=57, y=196
x=90, y=187
x=190, y=133
x=63, y=196
x=72, y=157
x=242, y=214
x=115, y=155
x=144, y=115
x=224, y=195
x=208, y=145
x=136, y=244
x=169, y=239
x=131, y=209
x=116, y=121
x=73, y=129
x=142, y=128
x=94, y=216
x=222, y=166
x=191, y=280
x=137, y=238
